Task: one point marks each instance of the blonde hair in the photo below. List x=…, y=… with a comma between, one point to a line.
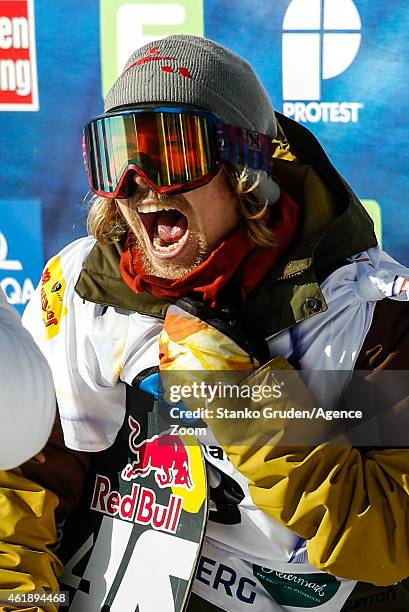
x=106, y=223
x=252, y=205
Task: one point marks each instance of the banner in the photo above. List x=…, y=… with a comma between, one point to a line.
x=18, y=68
x=337, y=66
x=21, y=253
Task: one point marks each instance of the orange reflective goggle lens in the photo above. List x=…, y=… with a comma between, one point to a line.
x=173, y=149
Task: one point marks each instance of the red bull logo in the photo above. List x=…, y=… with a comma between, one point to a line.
x=164, y=454
x=139, y=506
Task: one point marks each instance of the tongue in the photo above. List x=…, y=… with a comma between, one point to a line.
x=172, y=226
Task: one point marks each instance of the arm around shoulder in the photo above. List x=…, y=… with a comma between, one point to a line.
x=350, y=504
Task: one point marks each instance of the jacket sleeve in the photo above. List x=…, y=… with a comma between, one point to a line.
x=27, y=397
x=27, y=530
x=351, y=506
x=32, y=497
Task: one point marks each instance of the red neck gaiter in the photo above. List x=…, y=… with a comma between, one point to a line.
x=234, y=257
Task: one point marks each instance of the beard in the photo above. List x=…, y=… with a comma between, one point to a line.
x=195, y=251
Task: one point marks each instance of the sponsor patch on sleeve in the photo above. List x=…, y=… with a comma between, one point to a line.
x=52, y=293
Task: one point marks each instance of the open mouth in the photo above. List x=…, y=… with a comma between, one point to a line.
x=166, y=227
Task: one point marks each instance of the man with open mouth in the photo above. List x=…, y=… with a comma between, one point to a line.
x=222, y=239
x=177, y=233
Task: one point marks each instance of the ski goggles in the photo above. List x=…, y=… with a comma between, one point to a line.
x=173, y=149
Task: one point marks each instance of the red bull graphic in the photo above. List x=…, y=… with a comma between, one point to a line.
x=140, y=506
x=164, y=454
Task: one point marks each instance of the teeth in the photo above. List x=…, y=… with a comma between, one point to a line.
x=151, y=207
x=157, y=243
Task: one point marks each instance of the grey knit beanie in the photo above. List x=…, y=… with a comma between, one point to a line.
x=186, y=69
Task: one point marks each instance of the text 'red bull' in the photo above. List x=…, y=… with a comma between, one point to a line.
x=140, y=506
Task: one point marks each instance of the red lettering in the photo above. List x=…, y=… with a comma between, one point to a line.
x=112, y=502
x=127, y=509
x=46, y=276
x=172, y=503
x=178, y=511
x=157, y=520
x=101, y=490
x=44, y=301
x=52, y=322
x=145, y=511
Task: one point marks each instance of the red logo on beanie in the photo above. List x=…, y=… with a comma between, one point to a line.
x=154, y=56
